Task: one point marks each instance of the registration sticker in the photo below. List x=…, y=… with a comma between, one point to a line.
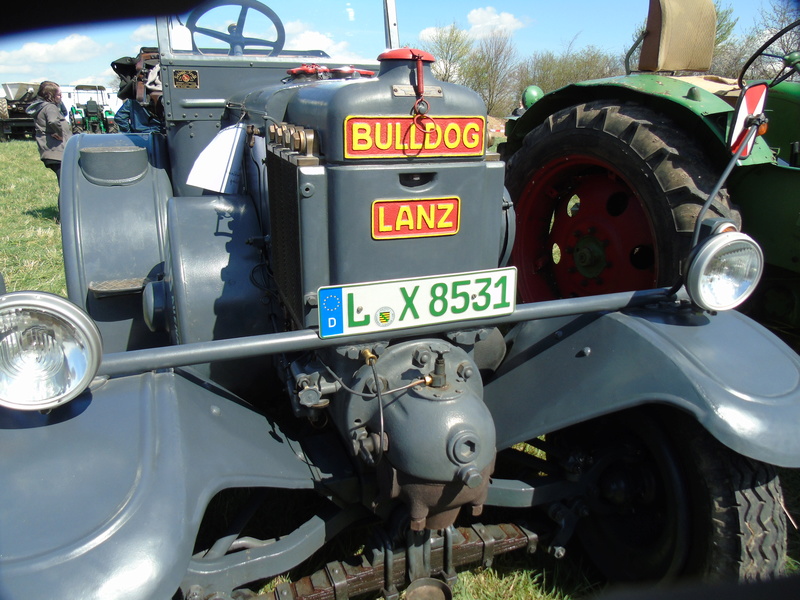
x=401, y=303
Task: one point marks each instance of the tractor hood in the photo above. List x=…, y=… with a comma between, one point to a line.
x=403, y=112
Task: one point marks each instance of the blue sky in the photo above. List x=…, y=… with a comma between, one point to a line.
x=82, y=54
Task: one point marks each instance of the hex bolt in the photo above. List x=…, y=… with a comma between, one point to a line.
x=465, y=370
x=471, y=477
x=421, y=357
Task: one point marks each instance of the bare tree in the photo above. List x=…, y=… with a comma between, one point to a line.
x=489, y=71
x=730, y=51
x=551, y=71
x=776, y=16
x=450, y=46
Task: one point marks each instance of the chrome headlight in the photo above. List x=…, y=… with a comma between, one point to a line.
x=724, y=270
x=50, y=350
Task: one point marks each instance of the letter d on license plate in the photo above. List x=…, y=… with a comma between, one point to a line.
x=401, y=303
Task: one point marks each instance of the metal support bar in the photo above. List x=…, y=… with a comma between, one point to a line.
x=338, y=578
x=418, y=554
x=488, y=544
x=223, y=573
x=448, y=564
x=137, y=361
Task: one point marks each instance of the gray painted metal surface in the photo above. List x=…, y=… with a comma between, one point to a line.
x=134, y=463
x=734, y=376
x=204, y=299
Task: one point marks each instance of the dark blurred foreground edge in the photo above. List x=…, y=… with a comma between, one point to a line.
x=60, y=14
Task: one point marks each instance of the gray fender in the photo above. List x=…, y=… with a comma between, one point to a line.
x=112, y=203
x=102, y=498
x=737, y=379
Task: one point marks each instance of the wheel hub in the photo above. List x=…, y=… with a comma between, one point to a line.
x=585, y=232
x=589, y=256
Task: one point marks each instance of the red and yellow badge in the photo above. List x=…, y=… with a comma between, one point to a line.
x=427, y=217
x=407, y=136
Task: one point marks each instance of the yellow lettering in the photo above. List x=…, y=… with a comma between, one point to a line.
x=413, y=143
x=443, y=222
x=383, y=144
x=404, y=218
x=429, y=217
x=432, y=128
x=471, y=136
x=382, y=226
x=398, y=137
x=448, y=141
x=361, y=136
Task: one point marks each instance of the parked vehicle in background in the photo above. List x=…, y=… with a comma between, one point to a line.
x=91, y=108
x=608, y=175
x=14, y=121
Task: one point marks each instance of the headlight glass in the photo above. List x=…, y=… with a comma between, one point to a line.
x=724, y=271
x=50, y=351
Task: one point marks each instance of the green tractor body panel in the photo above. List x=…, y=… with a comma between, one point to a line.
x=783, y=112
x=763, y=194
x=706, y=113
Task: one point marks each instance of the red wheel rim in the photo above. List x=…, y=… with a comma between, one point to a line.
x=601, y=240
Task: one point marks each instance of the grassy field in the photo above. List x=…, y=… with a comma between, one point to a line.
x=30, y=237
x=30, y=258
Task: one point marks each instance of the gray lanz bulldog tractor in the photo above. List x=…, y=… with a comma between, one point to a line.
x=291, y=320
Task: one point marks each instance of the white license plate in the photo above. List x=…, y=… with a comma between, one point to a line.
x=401, y=303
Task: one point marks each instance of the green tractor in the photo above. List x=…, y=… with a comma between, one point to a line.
x=608, y=176
x=88, y=115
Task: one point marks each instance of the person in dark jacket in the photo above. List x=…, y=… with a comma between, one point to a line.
x=51, y=126
x=132, y=117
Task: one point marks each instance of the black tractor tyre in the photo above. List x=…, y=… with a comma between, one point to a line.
x=672, y=502
x=3, y=115
x=606, y=196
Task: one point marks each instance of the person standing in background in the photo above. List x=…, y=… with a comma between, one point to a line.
x=51, y=125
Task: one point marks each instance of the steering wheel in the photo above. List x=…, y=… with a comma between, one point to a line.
x=791, y=61
x=234, y=35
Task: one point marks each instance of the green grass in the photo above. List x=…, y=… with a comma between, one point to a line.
x=30, y=237
x=30, y=258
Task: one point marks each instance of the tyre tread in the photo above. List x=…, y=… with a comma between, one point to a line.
x=748, y=537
